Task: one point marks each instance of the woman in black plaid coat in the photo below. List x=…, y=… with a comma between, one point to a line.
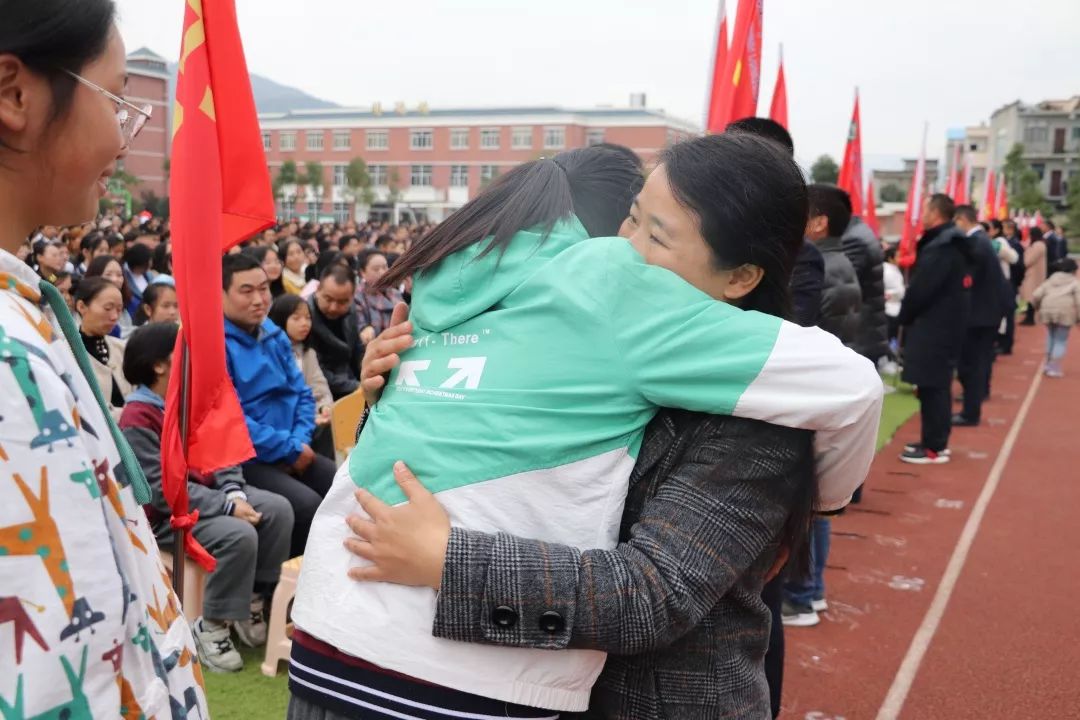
x=713, y=504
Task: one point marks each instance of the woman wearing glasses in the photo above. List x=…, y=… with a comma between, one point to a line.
x=98, y=627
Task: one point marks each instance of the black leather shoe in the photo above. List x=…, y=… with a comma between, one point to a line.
x=961, y=421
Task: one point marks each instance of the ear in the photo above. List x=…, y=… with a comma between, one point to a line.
x=161, y=367
x=13, y=108
x=818, y=225
x=742, y=282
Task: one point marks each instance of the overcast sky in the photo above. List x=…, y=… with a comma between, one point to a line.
x=948, y=62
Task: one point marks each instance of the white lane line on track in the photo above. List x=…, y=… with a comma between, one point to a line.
x=920, y=643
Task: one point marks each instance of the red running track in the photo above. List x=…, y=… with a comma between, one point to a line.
x=1000, y=641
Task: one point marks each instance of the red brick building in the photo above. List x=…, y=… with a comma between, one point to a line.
x=148, y=84
x=437, y=160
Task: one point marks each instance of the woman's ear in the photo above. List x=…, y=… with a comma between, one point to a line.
x=13, y=115
x=742, y=282
x=162, y=367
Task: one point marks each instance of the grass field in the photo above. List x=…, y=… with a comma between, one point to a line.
x=248, y=694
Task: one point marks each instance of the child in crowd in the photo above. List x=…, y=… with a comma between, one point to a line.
x=1058, y=303
x=245, y=529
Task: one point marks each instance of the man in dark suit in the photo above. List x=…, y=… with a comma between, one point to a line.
x=989, y=292
x=935, y=312
x=1016, y=278
x=1056, y=247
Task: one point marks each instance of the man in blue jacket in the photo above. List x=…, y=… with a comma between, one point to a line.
x=278, y=405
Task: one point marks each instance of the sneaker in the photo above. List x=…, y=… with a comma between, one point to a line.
x=912, y=447
x=215, y=647
x=922, y=456
x=798, y=615
x=820, y=605
x=252, y=632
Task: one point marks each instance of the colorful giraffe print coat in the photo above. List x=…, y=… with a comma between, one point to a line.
x=97, y=629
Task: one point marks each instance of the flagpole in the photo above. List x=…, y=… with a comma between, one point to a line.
x=179, y=554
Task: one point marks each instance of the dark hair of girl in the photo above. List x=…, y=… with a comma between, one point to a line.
x=327, y=259
x=91, y=243
x=750, y=200
x=364, y=258
x=597, y=184
x=97, y=269
x=259, y=252
x=1036, y=234
x=282, y=309
x=147, y=346
x=162, y=261
x=90, y=288
x=138, y=257
x=284, y=245
x=151, y=297
x=52, y=37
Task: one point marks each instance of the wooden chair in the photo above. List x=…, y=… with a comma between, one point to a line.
x=194, y=585
x=344, y=419
x=278, y=632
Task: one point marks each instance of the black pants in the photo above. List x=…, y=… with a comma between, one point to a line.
x=935, y=404
x=976, y=361
x=1005, y=339
x=304, y=493
x=1029, y=315
x=773, y=595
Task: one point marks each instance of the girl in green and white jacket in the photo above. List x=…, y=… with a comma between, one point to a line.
x=543, y=348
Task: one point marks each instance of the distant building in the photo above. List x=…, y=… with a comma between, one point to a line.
x=901, y=179
x=1050, y=134
x=148, y=84
x=432, y=161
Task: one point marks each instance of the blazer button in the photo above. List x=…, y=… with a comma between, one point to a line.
x=504, y=616
x=552, y=622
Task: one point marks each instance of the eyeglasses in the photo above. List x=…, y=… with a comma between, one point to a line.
x=132, y=118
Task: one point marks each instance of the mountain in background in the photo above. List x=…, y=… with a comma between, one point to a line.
x=270, y=97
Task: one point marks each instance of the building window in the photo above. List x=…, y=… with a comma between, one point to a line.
x=378, y=140
x=342, y=140
x=288, y=141
x=421, y=140
x=554, y=138
x=340, y=179
x=489, y=139
x=488, y=173
x=341, y=212
x=1035, y=134
x=459, y=176
x=459, y=139
x=1040, y=170
x=521, y=138
x=268, y=141
x=288, y=209
x=1076, y=133
x=314, y=141
x=594, y=136
x=421, y=176
x=377, y=173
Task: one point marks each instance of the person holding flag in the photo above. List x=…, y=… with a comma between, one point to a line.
x=76, y=543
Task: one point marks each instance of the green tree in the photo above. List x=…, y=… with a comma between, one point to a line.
x=314, y=178
x=393, y=182
x=892, y=193
x=1014, y=168
x=1022, y=183
x=825, y=170
x=1072, y=212
x=287, y=175
x=359, y=182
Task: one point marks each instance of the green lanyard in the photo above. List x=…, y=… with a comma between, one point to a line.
x=128, y=460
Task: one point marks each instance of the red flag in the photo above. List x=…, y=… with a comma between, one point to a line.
x=220, y=195
x=851, y=175
x=871, y=209
x=1001, y=205
x=986, y=211
x=913, y=225
x=778, y=107
x=954, y=176
x=963, y=184
x=714, y=122
x=739, y=85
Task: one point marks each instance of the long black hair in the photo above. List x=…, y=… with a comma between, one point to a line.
x=52, y=37
x=750, y=200
x=751, y=203
x=97, y=267
x=597, y=184
x=282, y=309
x=147, y=346
x=151, y=296
x=259, y=252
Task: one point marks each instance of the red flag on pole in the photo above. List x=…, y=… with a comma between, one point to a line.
x=739, y=85
x=963, y=184
x=1001, y=205
x=714, y=121
x=954, y=176
x=851, y=175
x=220, y=195
x=986, y=211
x=913, y=225
x=871, y=209
x=778, y=107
